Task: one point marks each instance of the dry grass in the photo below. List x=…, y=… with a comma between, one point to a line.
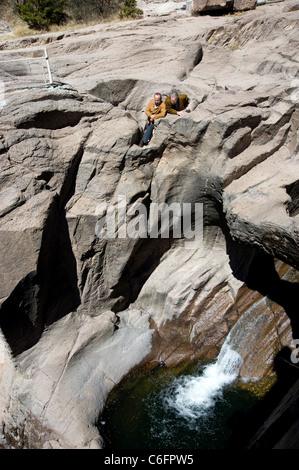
x=71, y=25
x=21, y=29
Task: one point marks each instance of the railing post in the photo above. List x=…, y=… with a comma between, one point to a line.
x=48, y=66
x=40, y=58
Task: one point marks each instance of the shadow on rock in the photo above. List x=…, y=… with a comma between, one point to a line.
x=264, y=425
x=257, y=269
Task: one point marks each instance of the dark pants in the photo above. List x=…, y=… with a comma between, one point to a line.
x=148, y=132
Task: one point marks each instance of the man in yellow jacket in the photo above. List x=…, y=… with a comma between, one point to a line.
x=177, y=104
x=155, y=109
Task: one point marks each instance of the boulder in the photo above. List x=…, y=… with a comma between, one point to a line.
x=211, y=5
x=243, y=5
x=199, y=6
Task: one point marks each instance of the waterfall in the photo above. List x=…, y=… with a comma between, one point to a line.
x=193, y=411
x=193, y=396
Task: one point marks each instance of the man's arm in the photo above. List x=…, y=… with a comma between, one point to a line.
x=184, y=102
x=184, y=105
x=149, y=109
x=161, y=111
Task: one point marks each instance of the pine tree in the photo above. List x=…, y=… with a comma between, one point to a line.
x=40, y=14
x=129, y=9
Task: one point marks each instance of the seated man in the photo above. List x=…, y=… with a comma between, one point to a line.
x=177, y=104
x=155, y=109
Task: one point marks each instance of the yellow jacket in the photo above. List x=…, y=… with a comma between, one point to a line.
x=159, y=112
x=183, y=103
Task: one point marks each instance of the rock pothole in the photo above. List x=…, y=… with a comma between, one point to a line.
x=51, y=120
x=113, y=91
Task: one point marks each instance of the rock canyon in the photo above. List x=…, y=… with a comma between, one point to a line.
x=79, y=312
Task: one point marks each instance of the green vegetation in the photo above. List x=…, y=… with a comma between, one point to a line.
x=40, y=14
x=45, y=15
x=91, y=10
x=129, y=10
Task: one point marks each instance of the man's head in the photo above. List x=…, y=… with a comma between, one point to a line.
x=158, y=99
x=174, y=97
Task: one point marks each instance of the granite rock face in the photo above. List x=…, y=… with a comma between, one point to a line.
x=210, y=5
x=202, y=6
x=194, y=7
x=80, y=310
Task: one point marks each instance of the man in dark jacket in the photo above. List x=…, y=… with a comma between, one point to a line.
x=177, y=104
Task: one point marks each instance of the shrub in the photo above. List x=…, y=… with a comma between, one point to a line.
x=129, y=9
x=40, y=14
x=91, y=9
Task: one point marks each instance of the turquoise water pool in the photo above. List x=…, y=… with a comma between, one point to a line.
x=193, y=408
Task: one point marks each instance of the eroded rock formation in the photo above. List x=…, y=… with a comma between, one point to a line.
x=200, y=6
x=78, y=311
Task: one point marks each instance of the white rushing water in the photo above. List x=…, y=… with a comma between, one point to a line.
x=193, y=396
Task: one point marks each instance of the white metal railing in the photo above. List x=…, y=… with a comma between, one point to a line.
x=18, y=70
